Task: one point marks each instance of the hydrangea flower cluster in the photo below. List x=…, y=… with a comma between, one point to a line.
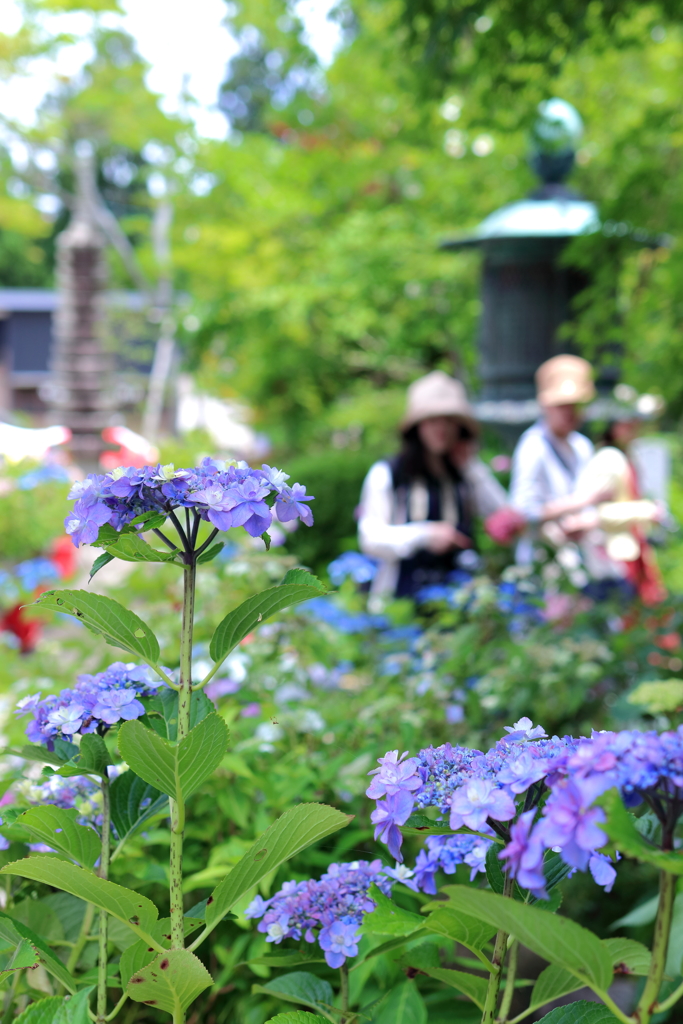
x=222, y=494
x=329, y=910
x=446, y=853
x=94, y=704
x=80, y=791
x=553, y=782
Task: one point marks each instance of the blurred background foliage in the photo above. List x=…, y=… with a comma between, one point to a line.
x=308, y=240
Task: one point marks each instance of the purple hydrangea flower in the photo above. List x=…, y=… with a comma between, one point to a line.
x=478, y=800
x=394, y=775
x=329, y=910
x=289, y=504
x=114, y=705
x=338, y=941
x=524, y=855
x=223, y=494
x=387, y=817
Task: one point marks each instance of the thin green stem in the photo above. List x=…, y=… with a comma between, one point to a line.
x=103, y=872
x=497, y=961
x=344, y=992
x=82, y=940
x=177, y=806
x=660, y=944
x=509, y=990
x=121, y=1003
x=670, y=1000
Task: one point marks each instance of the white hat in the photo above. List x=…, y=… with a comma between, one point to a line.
x=438, y=394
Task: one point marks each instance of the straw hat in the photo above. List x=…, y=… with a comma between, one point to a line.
x=564, y=380
x=437, y=394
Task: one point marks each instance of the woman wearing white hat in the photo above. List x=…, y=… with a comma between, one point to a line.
x=417, y=510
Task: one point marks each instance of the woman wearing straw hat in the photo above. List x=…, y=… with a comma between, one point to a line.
x=551, y=455
x=417, y=510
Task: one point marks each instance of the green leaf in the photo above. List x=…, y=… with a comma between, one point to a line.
x=580, y=1012
x=554, y=869
x=300, y=987
x=43, y=1012
x=287, y=959
x=388, y=918
x=241, y=620
x=165, y=703
x=139, y=954
x=421, y=825
x=296, y=829
x=403, y=1005
x=425, y=959
x=134, y=910
x=385, y=947
x=171, y=982
x=105, y=617
x=621, y=829
x=94, y=756
x=75, y=1009
x=494, y=871
x=25, y=955
x=177, y=770
x=127, y=793
x=302, y=577
x=556, y=939
x=552, y=983
x=99, y=563
x=150, y=520
x=58, y=829
x=34, y=752
x=468, y=931
x=210, y=553
x=265, y=537
x=628, y=956
x=297, y=1017
x=644, y=913
x=130, y=547
x=13, y=931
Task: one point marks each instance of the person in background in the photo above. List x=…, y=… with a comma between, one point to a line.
x=551, y=455
x=417, y=510
x=610, y=518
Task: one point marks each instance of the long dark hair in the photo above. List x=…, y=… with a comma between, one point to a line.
x=413, y=459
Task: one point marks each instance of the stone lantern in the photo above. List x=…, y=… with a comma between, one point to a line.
x=83, y=395
x=526, y=292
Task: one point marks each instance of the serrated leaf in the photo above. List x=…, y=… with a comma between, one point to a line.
x=241, y=620
x=468, y=931
x=58, y=829
x=296, y=829
x=554, y=938
x=494, y=871
x=297, y=1017
x=130, y=547
x=422, y=959
x=552, y=983
x=127, y=794
x=580, y=1012
x=136, y=911
x=388, y=918
x=403, y=1005
x=300, y=987
x=107, y=618
x=140, y=954
x=42, y=1012
x=628, y=956
x=302, y=577
x=177, y=770
x=34, y=752
x=104, y=559
x=25, y=956
x=13, y=931
x=171, y=982
x=621, y=829
x=150, y=520
x=165, y=703
x=210, y=553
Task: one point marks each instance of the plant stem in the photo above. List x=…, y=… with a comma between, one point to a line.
x=670, y=1000
x=121, y=1003
x=497, y=961
x=184, y=704
x=103, y=873
x=509, y=990
x=660, y=943
x=344, y=991
x=82, y=940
